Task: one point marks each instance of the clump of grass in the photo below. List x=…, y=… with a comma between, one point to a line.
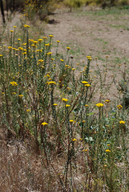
x=43, y=95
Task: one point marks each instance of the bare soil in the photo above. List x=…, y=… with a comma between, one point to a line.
x=93, y=31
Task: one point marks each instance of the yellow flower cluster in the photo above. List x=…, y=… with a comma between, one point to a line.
x=13, y=83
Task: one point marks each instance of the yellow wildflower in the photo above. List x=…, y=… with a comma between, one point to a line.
x=33, y=45
x=20, y=48
x=84, y=82
x=107, y=150
x=85, y=150
x=107, y=101
x=9, y=47
x=68, y=88
x=51, y=82
x=26, y=26
x=58, y=41
x=14, y=26
x=64, y=99
x=86, y=105
x=49, y=53
x=13, y=83
x=35, y=42
x=55, y=104
x=73, y=69
x=122, y=122
x=119, y=107
x=71, y=121
x=44, y=123
x=67, y=105
x=51, y=36
x=61, y=60
x=99, y=104
x=68, y=48
x=74, y=139
x=40, y=40
x=87, y=85
x=47, y=44
x=89, y=58
x=11, y=31
x=44, y=37
x=20, y=96
x=14, y=93
x=28, y=110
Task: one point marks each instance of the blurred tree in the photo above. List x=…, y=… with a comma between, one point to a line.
x=2, y=10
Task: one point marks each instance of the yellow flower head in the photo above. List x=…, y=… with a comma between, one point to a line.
x=73, y=69
x=11, y=31
x=14, y=93
x=14, y=26
x=13, y=83
x=99, y=104
x=20, y=48
x=107, y=101
x=47, y=44
x=35, y=42
x=20, y=96
x=28, y=110
x=119, y=107
x=89, y=58
x=67, y=105
x=26, y=26
x=86, y=105
x=87, y=85
x=49, y=53
x=51, y=36
x=84, y=82
x=51, y=83
x=44, y=123
x=58, y=41
x=85, y=150
x=107, y=150
x=40, y=60
x=68, y=48
x=9, y=47
x=74, y=139
x=64, y=99
x=122, y=122
x=44, y=37
x=40, y=40
x=61, y=60
x=71, y=121
x=55, y=104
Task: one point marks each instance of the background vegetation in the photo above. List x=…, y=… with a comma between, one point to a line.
x=62, y=129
